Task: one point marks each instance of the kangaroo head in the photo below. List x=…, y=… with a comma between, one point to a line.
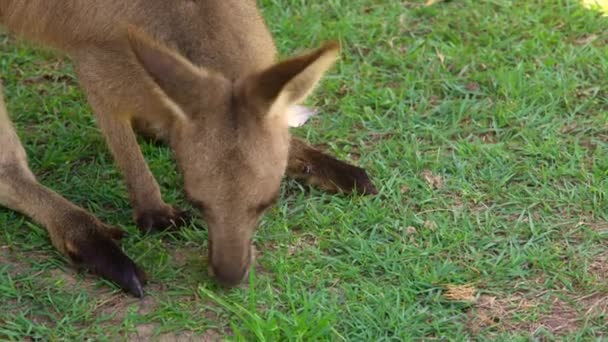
x=231, y=139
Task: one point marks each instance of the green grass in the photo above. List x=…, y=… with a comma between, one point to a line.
x=505, y=101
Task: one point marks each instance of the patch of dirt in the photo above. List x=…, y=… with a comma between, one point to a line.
x=17, y=264
x=187, y=255
x=460, y=203
x=49, y=78
x=410, y=230
x=497, y=313
x=599, y=267
x=434, y=181
x=303, y=242
x=577, y=236
x=148, y=332
x=533, y=215
x=562, y=318
x=116, y=306
x=555, y=315
x=6, y=259
x=472, y=86
x=595, y=305
x=66, y=278
x=106, y=303
x=487, y=137
x=586, y=39
x=430, y=225
x=147, y=305
x=377, y=137
x=598, y=226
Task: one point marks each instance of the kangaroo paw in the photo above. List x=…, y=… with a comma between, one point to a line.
x=90, y=246
x=158, y=220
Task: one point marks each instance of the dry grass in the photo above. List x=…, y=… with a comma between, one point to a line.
x=463, y=293
x=535, y=314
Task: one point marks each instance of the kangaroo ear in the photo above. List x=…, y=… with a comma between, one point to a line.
x=178, y=79
x=298, y=115
x=291, y=81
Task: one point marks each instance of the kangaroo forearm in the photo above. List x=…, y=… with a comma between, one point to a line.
x=41, y=204
x=143, y=189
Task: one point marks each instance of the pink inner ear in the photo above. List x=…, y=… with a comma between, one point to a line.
x=298, y=115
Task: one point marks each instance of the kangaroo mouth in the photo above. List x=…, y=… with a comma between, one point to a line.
x=232, y=275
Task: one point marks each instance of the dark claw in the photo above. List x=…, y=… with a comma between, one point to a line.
x=159, y=220
x=98, y=254
x=134, y=284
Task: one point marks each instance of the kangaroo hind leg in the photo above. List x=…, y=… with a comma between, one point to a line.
x=73, y=231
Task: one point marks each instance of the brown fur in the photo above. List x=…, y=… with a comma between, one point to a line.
x=199, y=74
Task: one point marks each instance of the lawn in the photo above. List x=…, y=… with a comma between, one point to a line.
x=484, y=125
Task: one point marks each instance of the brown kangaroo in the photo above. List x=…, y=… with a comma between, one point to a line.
x=201, y=75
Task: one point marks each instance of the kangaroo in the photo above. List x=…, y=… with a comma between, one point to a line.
x=200, y=75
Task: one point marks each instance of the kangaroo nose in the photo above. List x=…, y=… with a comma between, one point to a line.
x=230, y=272
x=230, y=277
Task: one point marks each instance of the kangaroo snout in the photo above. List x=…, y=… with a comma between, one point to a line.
x=230, y=275
x=230, y=269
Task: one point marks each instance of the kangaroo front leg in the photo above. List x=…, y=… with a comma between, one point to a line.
x=150, y=211
x=325, y=171
x=73, y=231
